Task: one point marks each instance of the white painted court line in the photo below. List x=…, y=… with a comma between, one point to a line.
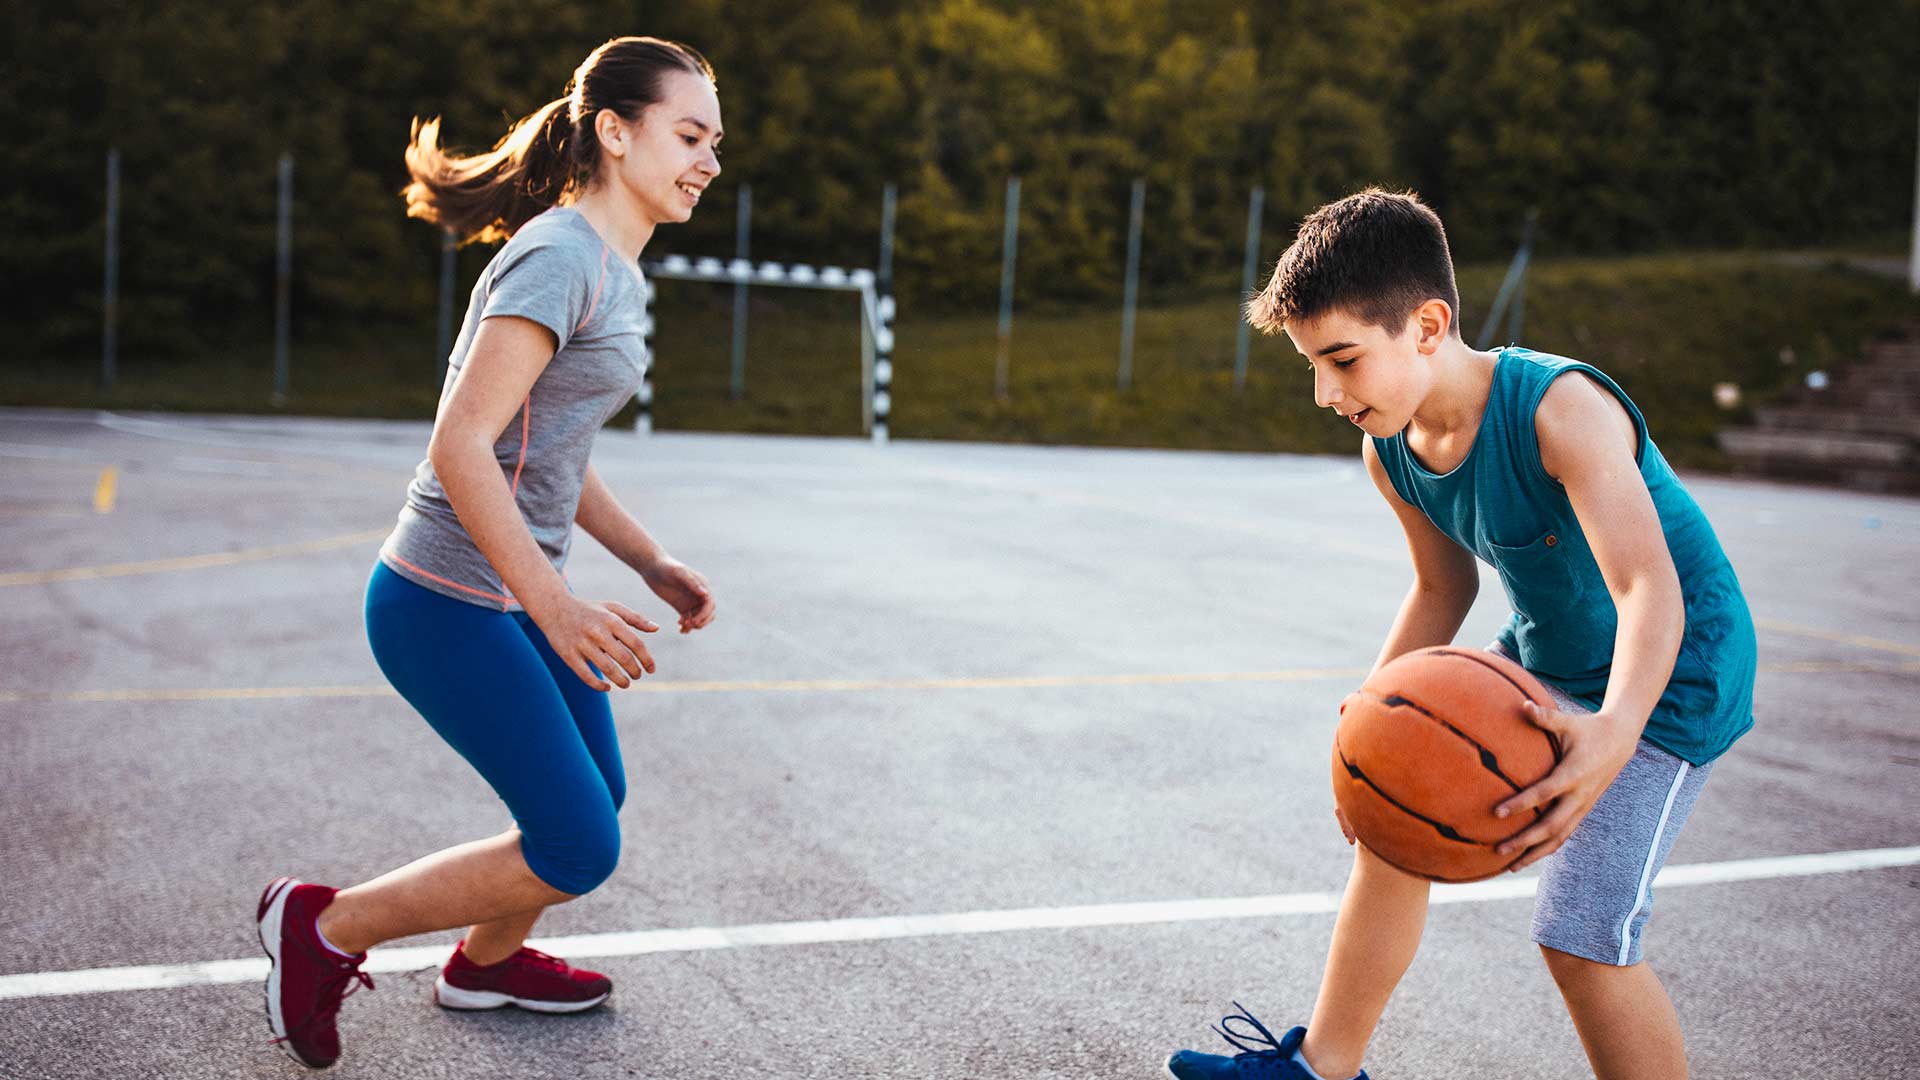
x=887, y=928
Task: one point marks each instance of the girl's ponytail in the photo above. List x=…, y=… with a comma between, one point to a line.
x=487, y=196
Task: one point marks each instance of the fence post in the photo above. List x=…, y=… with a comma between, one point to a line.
x=743, y=223
x=1130, y=292
x=283, y=286
x=1009, y=249
x=1243, y=333
x=1913, y=256
x=110, y=288
x=443, y=343
x=1514, y=282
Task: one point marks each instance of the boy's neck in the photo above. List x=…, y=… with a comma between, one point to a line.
x=1456, y=399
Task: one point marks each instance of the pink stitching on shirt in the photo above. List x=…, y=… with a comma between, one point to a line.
x=526, y=421
x=505, y=602
x=599, y=285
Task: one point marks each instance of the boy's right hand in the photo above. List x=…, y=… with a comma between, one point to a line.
x=602, y=635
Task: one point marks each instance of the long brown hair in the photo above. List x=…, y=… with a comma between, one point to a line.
x=546, y=156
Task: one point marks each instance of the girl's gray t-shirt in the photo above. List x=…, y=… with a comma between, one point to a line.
x=556, y=271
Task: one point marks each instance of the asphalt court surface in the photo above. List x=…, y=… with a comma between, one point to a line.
x=965, y=709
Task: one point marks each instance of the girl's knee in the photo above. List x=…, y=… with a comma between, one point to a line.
x=581, y=861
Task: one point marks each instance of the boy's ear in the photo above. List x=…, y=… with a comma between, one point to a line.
x=1432, y=322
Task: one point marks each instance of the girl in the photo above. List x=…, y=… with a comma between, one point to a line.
x=467, y=611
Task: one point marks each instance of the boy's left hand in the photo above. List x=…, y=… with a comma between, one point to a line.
x=1594, y=748
x=682, y=587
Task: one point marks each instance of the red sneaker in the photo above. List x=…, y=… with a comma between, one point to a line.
x=308, y=980
x=529, y=978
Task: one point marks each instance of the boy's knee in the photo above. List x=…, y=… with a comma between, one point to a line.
x=1592, y=921
x=1573, y=949
x=1559, y=960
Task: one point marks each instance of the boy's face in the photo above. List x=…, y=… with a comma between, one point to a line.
x=1373, y=378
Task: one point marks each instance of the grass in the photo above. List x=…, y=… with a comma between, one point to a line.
x=1668, y=327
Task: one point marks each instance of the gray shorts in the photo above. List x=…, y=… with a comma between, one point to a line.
x=1596, y=892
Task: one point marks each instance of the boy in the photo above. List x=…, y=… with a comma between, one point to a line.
x=1623, y=603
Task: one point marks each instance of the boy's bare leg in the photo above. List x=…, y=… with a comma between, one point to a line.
x=1623, y=1014
x=1375, y=936
x=470, y=884
x=491, y=942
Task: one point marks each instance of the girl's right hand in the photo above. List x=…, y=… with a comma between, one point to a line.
x=602, y=635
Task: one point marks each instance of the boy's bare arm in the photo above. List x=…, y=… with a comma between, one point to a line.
x=1445, y=581
x=1445, y=577
x=1587, y=443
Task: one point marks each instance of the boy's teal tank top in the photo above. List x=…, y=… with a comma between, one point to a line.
x=1501, y=505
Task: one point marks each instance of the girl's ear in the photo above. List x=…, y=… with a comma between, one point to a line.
x=612, y=132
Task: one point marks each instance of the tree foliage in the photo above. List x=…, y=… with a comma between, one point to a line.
x=1627, y=124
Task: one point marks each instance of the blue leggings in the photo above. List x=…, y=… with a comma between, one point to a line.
x=494, y=689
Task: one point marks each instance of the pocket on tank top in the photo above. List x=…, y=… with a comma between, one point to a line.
x=1567, y=619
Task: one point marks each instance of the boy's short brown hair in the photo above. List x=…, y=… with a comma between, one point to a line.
x=1376, y=255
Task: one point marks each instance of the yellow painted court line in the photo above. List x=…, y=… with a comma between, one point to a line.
x=213, y=693
x=189, y=562
x=829, y=686
x=1860, y=640
x=1841, y=667
x=743, y=686
x=1004, y=682
x=104, y=488
x=42, y=510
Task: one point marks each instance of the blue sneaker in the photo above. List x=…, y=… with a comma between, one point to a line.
x=1261, y=1057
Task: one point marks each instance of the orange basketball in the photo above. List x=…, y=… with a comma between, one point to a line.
x=1428, y=747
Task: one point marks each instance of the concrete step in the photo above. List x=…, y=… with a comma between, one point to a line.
x=1881, y=368
x=1868, y=398
x=1861, y=432
x=1760, y=445
x=1853, y=477
x=1843, y=421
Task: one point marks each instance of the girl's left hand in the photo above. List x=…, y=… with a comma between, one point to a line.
x=1594, y=748
x=682, y=587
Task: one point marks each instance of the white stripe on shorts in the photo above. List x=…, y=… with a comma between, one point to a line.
x=1646, y=872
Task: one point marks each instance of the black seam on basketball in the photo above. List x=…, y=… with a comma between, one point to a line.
x=1439, y=827
x=1488, y=760
x=1553, y=741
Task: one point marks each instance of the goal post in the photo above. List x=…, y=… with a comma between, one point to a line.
x=876, y=321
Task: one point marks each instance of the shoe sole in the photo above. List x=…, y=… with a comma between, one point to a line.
x=272, y=913
x=448, y=996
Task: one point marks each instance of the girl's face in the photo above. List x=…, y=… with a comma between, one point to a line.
x=664, y=162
